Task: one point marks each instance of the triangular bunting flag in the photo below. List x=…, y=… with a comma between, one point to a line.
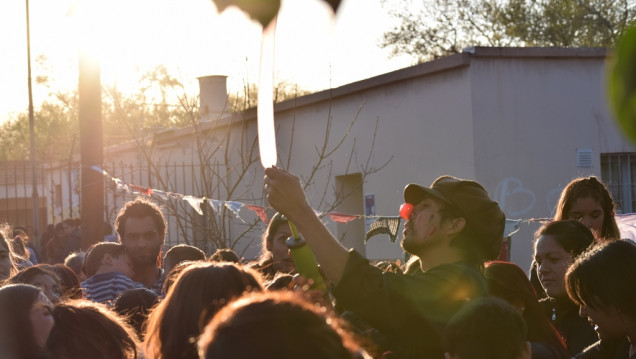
x=384, y=225
x=235, y=207
x=161, y=194
x=260, y=211
x=195, y=203
x=341, y=217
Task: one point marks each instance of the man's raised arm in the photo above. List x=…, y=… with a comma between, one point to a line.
x=285, y=194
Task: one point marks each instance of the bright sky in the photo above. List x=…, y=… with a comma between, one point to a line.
x=313, y=48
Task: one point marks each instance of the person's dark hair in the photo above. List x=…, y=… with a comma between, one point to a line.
x=139, y=208
x=199, y=291
x=604, y=277
x=68, y=281
x=134, y=305
x=71, y=222
x=280, y=281
x=75, y=261
x=585, y=187
x=181, y=253
x=27, y=275
x=486, y=328
x=275, y=325
x=507, y=281
x=85, y=329
x=95, y=254
x=17, y=338
x=571, y=234
x=224, y=255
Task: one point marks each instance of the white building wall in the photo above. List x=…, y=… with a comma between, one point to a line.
x=511, y=119
x=531, y=115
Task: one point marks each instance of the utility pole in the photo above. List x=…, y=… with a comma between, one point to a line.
x=34, y=176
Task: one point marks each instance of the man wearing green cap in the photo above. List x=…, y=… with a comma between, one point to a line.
x=452, y=229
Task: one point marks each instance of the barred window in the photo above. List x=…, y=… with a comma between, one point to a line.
x=618, y=172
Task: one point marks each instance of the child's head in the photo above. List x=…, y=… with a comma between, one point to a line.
x=107, y=257
x=487, y=328
x=181, y=253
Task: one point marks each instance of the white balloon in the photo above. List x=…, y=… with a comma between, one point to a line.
x=265, y=109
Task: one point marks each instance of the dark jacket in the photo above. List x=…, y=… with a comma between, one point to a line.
x=576, y=331
x=411, y=310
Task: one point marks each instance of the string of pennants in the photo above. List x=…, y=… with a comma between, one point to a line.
x=382, y=225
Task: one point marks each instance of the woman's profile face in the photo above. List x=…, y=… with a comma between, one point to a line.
x=280, y=253
x=41, y=319
x=552, y=264
x=588, y=211
x=5, y=263
x=48, y=285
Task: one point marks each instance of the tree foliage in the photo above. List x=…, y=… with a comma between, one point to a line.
x=444, y=27
x=161, y=101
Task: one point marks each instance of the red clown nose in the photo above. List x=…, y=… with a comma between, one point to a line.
x=405, y=210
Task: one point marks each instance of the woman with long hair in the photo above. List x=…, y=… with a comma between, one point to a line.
x=199, y=291
x=507, y=281
x=25, y=322
x=7, y=262
x=556, y=247
x=276, y=325
x=275, y=257
x=84, y=329
x=588, y=200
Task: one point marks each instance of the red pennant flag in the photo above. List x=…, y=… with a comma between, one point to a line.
x=341, y=217
x=260, y=211
x=146, y=191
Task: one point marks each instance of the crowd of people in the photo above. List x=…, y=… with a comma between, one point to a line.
x=124, y=298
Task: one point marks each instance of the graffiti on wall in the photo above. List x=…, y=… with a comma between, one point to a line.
x=516, y=200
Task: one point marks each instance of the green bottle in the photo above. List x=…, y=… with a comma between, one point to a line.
x=304, y=260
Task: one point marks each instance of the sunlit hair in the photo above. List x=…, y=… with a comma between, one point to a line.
x=17, y=338
x=140, y=208
x=276, y=325
x=200, y=290
x=604, y=277
x=172, y=275
x=224, y=255
x=85, y=329
x=589, y=187
x=509, y=282
x=571, y=234
x=12, y=259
